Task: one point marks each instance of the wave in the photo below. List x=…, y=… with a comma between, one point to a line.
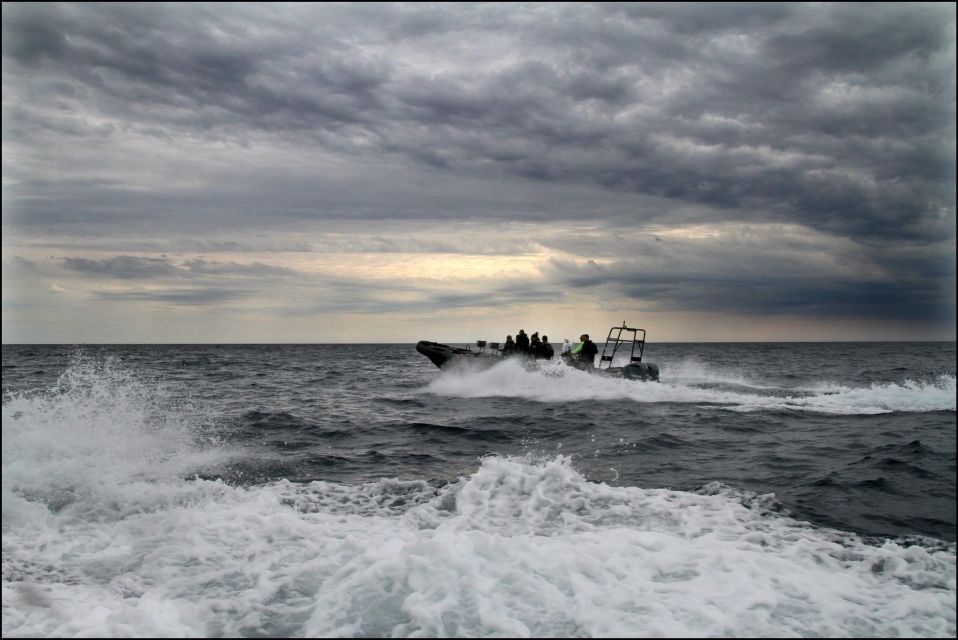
x=521, y=547
x=556, y=382
x=113, y=528
x=100, y=433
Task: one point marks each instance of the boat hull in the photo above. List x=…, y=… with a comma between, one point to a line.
x=442, y=355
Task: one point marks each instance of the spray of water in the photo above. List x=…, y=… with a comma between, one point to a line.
x=555, y=382
x=101, y=439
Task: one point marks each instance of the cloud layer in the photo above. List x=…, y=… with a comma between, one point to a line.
x=788, y=132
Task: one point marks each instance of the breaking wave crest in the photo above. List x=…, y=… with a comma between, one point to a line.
x=521, y=547
x=99, y=436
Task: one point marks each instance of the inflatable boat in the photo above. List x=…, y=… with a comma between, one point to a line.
x=613, y=362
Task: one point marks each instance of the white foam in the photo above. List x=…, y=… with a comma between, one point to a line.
x=520, y=548
x=909, y=396
x=98, y=437
x=105, y=535
x=556, y=382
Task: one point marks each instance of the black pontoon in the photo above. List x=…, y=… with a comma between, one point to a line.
x=442, y=355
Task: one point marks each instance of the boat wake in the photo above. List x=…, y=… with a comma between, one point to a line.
x=556, y=382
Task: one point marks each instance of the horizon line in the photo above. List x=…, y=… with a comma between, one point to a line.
x=213, y=344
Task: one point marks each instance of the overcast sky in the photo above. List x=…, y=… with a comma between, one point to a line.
x=396, y=172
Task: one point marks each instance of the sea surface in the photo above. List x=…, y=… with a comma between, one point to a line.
x=763, y=490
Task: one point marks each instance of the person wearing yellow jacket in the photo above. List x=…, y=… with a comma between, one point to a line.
x=587, y=351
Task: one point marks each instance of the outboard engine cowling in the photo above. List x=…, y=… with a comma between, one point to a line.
x=641, y=371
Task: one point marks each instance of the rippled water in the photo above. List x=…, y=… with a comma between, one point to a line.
x=758, y=489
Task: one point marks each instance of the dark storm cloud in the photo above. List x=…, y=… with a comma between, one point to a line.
x=192, y=70
x=839, y=116
x=766, y=290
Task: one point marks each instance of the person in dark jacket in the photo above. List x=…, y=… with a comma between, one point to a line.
x=534, y=345
x=522, y=342
x=587, y=351
x=509, y=347
x=545, y=349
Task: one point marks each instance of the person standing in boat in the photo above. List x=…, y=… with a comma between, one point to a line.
x=509, y=347
x=522, y=342
x=587, y=351
x=534, y=345
x=545, y=349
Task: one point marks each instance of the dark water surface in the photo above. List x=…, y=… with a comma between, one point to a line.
x=356, y=458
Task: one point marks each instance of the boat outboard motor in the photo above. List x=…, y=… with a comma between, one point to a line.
x=641, y=371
